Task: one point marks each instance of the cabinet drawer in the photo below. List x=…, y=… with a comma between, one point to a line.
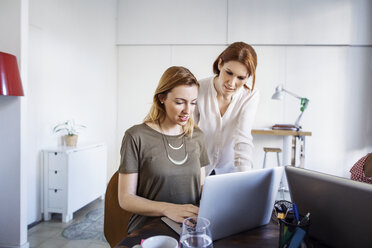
x=57, y=179
x=56, y=198
x=57, y=161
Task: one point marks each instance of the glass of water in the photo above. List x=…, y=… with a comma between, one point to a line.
x=196, y=233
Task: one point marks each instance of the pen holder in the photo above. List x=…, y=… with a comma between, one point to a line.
x=281, y=205
x=291, y=233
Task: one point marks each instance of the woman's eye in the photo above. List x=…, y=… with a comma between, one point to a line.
x=229, y=72
x=193, y=103
x=241, y=78
x=179, y=103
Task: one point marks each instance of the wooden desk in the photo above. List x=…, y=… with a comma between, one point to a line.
x=289, y=143
x=264, y=236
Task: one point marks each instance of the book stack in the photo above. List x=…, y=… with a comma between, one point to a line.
x=286, y=127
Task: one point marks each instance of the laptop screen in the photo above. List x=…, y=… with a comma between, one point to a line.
x=340, y=208
x=241, y=201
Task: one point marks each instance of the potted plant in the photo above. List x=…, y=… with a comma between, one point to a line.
x=71, y=130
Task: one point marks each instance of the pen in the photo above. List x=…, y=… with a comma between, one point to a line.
x=305, y=219
x=295, y=212
x=286, y=237
x=297, y=238
x=278, y=209
x=286, y=212
x=284, y=208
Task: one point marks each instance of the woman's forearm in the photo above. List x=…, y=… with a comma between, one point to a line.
x=143, y=206
x=243, y=155
x=130, y=201
x=243, y=148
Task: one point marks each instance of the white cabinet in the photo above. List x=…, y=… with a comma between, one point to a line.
x=72, y=178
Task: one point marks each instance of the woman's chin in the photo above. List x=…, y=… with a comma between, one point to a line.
x=229, y=91
x=182, y=123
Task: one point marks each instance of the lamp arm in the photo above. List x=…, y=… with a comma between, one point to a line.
x=304, y=103
x=304, y=100
x=293, y=94
x=297, y=123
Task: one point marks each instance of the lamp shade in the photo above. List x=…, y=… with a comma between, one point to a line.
x=278, y=95
x=10, y=80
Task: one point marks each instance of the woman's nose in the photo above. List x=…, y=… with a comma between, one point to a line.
x=187, y=109
x=232, y=81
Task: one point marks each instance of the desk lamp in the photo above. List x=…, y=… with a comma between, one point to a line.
x=304, y=102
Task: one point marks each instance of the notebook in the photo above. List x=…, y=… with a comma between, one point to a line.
x=237, y=202
x=340, y=209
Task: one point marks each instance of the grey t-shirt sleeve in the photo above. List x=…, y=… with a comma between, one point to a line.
x=129, y=162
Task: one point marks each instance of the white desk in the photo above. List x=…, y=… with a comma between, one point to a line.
x=289, y=143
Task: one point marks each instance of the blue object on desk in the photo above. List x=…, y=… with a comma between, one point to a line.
x=297, y=238
x=295, y=212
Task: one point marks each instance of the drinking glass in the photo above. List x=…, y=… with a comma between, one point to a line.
x=196, y=233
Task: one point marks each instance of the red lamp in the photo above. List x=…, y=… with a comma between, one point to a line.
x=10, y=80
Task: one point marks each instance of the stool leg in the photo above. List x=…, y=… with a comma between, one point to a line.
x=277, y=157
x=281, y=189
x=264, y=162
x=281, y=186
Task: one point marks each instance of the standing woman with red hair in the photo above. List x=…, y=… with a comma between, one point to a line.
x=226, y=108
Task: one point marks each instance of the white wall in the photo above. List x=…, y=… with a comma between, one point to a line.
x=172, y=22
x=72, y=75
x=318, y=49
x=290, y=21
x=13, y=226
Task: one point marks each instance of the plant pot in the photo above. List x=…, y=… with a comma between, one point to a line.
x=71, y=140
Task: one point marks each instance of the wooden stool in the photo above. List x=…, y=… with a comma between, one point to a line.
x=277, y=150
x=268, y=149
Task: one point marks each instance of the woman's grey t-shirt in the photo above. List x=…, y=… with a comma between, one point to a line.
x=143, y=152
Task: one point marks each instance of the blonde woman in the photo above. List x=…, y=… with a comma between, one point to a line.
x=162, y=160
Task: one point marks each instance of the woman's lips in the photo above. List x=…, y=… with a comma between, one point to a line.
x=184, y=118
x=229, y=88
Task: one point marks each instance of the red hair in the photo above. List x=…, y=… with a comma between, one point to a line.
x=241, y=52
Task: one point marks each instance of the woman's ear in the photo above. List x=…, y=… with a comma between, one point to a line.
x=220, y=64
x=161, y=98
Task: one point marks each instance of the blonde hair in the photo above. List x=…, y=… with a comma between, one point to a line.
x=171, y=78
x=241, y=52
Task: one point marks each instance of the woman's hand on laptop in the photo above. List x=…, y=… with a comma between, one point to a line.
x=243, y=168
x=179, y=212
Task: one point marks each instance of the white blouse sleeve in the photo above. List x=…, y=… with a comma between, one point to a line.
x=243, y=145
x=196, y=115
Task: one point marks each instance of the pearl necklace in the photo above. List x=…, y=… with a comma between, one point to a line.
x=165, y=141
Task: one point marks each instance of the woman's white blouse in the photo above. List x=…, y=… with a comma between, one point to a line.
x=228, y=139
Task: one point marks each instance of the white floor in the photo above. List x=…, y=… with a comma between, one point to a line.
x=47, y=234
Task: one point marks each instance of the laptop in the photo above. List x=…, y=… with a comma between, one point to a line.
x=340, y=209
x=237, y=202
